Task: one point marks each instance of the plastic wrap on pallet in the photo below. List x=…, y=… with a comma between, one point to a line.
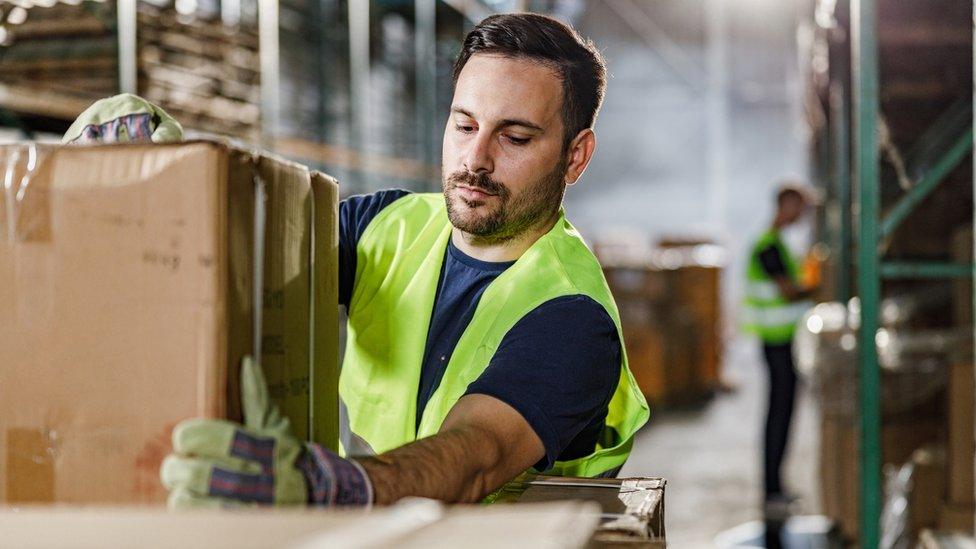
x=913, y=361
x=895, y=514
x=21, y=213
x=911, y=491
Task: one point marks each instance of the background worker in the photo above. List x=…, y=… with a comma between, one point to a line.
x=482, y=339
x=775, y=300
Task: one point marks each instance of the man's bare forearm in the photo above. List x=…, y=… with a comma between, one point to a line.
x=457, y=465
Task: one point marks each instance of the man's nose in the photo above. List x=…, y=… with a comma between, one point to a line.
x=479, y=156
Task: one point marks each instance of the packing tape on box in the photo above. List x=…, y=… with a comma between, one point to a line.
x=25, y=198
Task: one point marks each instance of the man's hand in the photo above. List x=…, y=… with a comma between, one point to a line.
x=219, y=463
x=792, y=291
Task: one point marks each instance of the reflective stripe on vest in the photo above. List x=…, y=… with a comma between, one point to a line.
x=399, y=260
x=775, y=317
x=765, y=311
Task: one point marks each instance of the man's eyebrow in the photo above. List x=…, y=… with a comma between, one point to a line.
x=504, y=123
x=518, y=122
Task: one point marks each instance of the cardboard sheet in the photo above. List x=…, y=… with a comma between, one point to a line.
x=409, y=524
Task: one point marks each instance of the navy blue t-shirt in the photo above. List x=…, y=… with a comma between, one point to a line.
x=558, y=366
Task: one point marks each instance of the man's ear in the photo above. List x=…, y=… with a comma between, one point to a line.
x=579, y=154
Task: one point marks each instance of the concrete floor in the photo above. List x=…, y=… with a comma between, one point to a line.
x=711, y=457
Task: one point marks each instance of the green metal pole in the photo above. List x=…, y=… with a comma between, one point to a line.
x=865, y=79
x=842, y=175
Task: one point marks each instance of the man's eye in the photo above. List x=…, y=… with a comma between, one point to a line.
x=517, y=140
x=463, y=129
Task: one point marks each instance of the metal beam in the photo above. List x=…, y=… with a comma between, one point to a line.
x=864, y=70
x=128, y=72
x=840, y=120
x=926, y=269
x=666, y=49
x=359, y=86
x=268, y=48
x=425, y=73
x=472, y=10
x=945, y=164
x=717, y=122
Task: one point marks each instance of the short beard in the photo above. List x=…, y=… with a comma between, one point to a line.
x=514, y=215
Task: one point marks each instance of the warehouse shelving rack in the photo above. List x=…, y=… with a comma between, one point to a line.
x=863, y=233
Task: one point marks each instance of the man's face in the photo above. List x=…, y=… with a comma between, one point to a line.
x=794, y=208
x=503, y=162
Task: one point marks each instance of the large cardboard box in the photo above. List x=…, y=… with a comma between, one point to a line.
x=133, y=279
x=956, y=517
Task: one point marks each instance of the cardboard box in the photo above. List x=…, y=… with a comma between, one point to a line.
x=961, y=435
x=962, y=288
x=324, y=405
x=413, y=523
x=645, y=354
x=671, y=319
x=129, y=280
x=930, y=539
x=956, y=517
x=632, y=508
x=927, y=487
x=840, y=460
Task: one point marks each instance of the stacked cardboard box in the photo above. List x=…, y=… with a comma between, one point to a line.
x=957, y=513
x=958, y=509
x=670, y=309
x=902, y=435
x=133, y=279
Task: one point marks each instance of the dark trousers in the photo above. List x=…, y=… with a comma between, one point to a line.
x=782, y=393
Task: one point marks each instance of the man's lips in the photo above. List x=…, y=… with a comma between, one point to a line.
x=472, y=194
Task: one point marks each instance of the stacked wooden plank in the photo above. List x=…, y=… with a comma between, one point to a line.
x=62, y=48
x=204, y=73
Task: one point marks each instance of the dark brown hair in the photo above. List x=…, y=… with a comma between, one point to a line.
x=532, y=36
x=794, y=190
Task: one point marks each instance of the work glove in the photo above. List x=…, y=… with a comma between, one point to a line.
x=219, y=463
x=123, y=118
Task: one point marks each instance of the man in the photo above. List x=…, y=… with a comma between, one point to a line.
x=482, y=338
x=774, y=302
